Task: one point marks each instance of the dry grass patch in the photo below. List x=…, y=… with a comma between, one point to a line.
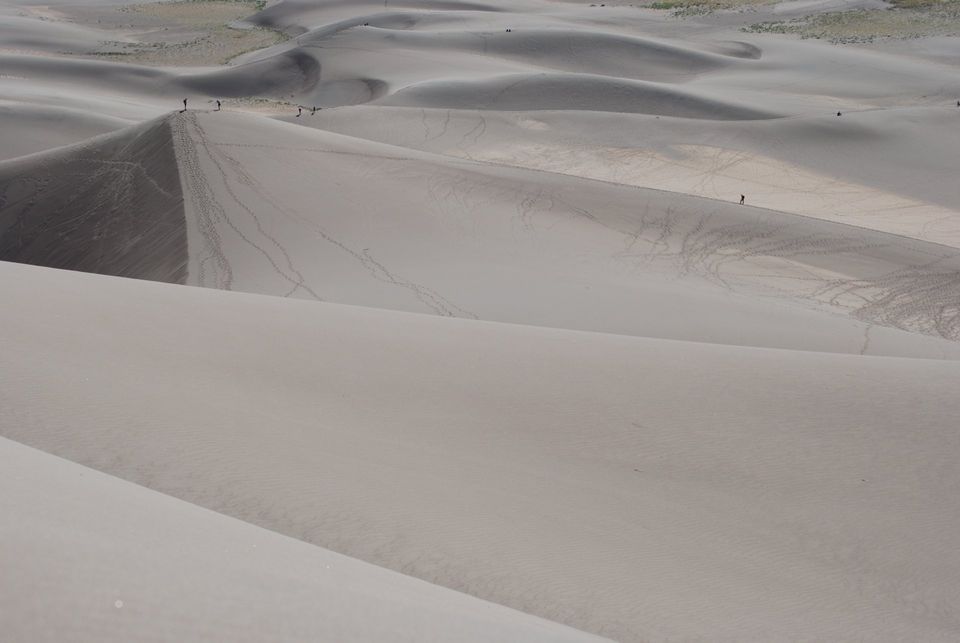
x=902, y=20
x=700, y=7
x=186, y=32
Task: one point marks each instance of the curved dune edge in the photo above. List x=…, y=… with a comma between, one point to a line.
x=247, y=218
x=244, y=215
x=815, y=170
x=280, y=75
x=618, y=485
x=522, y=372
x=88, y=556
x=571, y=92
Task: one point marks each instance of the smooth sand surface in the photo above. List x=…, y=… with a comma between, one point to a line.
x=139, y=565
x=500, y=323
x=634, y=488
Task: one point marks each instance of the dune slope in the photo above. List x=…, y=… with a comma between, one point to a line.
x=637, y=489
x=477, y=320
x=282, y=210
x=89, y=557
x=112, y=206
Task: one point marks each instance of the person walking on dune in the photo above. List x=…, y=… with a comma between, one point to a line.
x=218, y=106
x=184, y=106
x=742, y=199
x=299, y=111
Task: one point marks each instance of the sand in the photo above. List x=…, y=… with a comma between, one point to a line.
x=135, y=562
x=482, y=344
x=618, y=485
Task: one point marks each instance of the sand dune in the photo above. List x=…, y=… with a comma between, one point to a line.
x=609, y=54
x=811, y=166
x=505, y=357
x=618, y=485
x=649, y=259
x=570, y=91
x=275, y=76
x=28, y=130
x=122, y=214
x=27, y=34
x=173, y=571
x=298, y=16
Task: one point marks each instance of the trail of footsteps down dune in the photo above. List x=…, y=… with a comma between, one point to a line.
x=210, y=211
x=436, y=302
x=919, y=297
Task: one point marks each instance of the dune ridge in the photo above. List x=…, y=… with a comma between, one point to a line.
x=204, y=573
x=235, y=223
x=570, y=92
x=476, y=320
x=610, y=483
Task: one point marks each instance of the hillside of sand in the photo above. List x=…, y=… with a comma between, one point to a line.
x=454, y=320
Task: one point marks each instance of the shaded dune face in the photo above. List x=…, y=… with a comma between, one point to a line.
x=112, y=208
x=581, y=51
x=590, y=69
x=281, y=74
x=738, y=49
x=571, y=92
x=275, y=76
x=598, y=314
x=354, y=91
x=290, y=15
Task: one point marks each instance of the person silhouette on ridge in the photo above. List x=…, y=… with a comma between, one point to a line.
x=742, y=199
x=184, y=106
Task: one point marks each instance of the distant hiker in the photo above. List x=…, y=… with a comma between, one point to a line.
x=299, y=111
x=218, y=106
x=509, y=30
x=313, y=110
x=742, y=199
x=839, y=114
x=184, y=106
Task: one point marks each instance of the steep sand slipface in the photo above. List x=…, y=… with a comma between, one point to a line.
x=616, y=481
x=111, y=206
x=280, y=210
x=570, y=92
x=298, y=16
x=639, y=489
x=277, y=75
x=581, y=51
x=90, y=557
